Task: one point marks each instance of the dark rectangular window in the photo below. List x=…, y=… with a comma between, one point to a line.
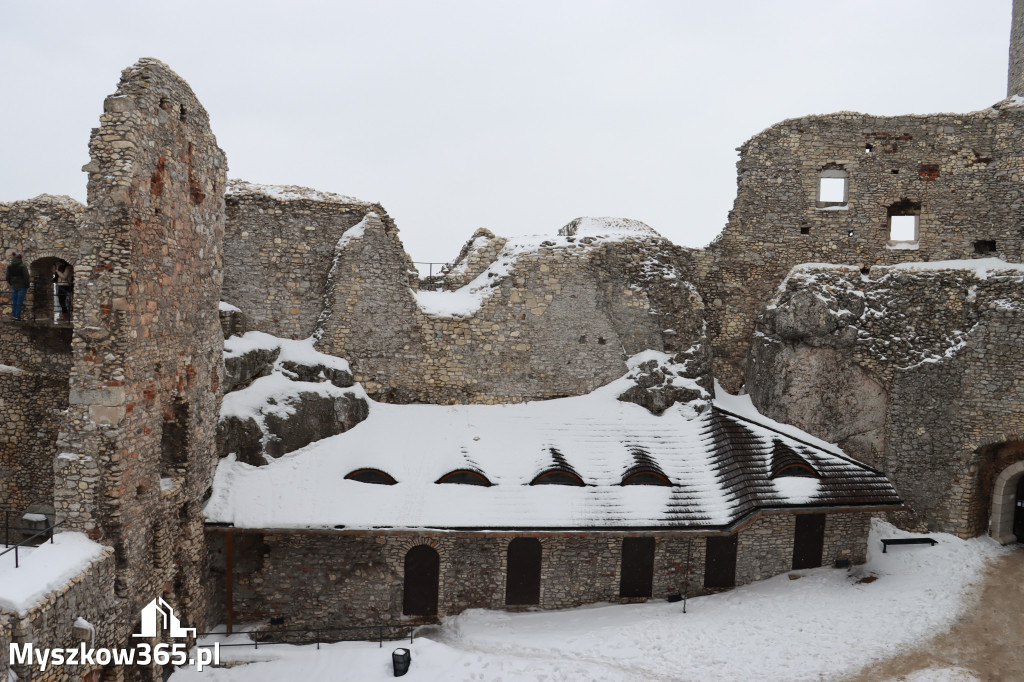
x=720, y=564
x=808, y=540
x=637, y=575
x=522, y=585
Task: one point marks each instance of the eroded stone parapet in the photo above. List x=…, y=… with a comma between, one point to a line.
x=547, y=317
x=278, y=252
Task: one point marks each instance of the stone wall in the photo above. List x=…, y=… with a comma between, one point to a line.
x=334, y=578
x=51, y=622
x=137, y=441
x=1015, y=84
x=35, y=360
x=278, y=249
x=44, y=230
x=554, y=319
x=914, y=371
x=962, y=172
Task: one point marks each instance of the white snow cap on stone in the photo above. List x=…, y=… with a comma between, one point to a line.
x=237, y=187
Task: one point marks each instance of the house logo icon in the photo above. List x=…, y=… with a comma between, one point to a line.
x=158, y=615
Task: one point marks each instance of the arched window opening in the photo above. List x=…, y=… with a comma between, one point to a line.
x=557, y=477
x=422, y=571
x=464, y=477
x=787, y=462
x=371, y=476
x=646, y=478
x=904, y=227
x=637, y=574
x=522, y=584
x=833, y=187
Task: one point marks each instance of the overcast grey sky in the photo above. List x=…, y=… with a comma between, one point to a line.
x=516, y=116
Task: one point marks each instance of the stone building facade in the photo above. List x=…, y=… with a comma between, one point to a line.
x=960, y=177
x=916, y=370
x=308, y=579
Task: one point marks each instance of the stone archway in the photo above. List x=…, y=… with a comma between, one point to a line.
x=1004, y=502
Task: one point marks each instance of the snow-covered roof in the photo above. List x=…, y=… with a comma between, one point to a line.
x=719, y=464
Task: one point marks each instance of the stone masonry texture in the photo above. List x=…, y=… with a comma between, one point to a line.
x=964, y=171
x=916, y=372
x=313, y=578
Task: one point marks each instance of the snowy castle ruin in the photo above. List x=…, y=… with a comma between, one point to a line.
x=548, y=424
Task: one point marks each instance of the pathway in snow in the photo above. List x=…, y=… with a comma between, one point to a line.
x=984, y=644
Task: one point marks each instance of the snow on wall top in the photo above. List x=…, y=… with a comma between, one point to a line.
x=237, y=187
x=719, y=467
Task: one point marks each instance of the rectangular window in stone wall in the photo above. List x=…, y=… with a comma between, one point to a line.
x=637, y=574
x=720, y=568
x=808, y=540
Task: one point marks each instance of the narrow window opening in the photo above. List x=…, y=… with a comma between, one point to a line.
x=805, y=230
x=895, y=171
x=868, y=149
x=904, y=222
x=903, y=228
x=985, y=246
x=174, y=437
x=833, y=187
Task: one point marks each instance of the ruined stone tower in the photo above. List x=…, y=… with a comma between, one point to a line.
x=136, y=443
x=1015, y=84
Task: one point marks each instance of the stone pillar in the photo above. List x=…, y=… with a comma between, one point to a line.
x=1015, y=85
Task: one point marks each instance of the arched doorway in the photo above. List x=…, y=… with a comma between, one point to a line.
x=522, y=584
x=48, y=301
x=422, y=571
x=1006, y=521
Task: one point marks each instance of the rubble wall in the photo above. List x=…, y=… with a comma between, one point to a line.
x=963, y=172
x=555, y=319
x=315, y=578
x=136, y=444
x=50, y=623
x=278, y=249
x=913, y=371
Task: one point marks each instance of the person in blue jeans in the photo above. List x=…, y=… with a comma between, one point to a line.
x=18, y=278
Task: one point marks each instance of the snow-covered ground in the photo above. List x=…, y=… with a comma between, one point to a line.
x=826, y=624
x=43, y=569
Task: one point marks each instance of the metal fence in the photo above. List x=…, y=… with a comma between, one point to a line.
x=318, y=636
x=30, y=541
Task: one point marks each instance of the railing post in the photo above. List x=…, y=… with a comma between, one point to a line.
x=380, y=636
x=16, y=556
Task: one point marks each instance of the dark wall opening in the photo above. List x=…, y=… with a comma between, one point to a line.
x=422, y=571
x=808, y=540
x=720, y=567
x=637, y=575
x=522, y=584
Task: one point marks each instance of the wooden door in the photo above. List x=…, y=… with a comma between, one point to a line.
x=422, y=570
x=522, y=585
x=808, y=540
x=720, y=562
x=637, y=574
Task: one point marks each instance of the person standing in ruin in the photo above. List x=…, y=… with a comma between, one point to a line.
x=64, y=276
x=18, y=278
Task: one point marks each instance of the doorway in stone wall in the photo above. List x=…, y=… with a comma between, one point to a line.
x=1006, y=510
x=48, y=301
x=422, y=571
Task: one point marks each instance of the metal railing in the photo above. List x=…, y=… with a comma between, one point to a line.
x=25, y=542
x=433, y=280
x=317, y=636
